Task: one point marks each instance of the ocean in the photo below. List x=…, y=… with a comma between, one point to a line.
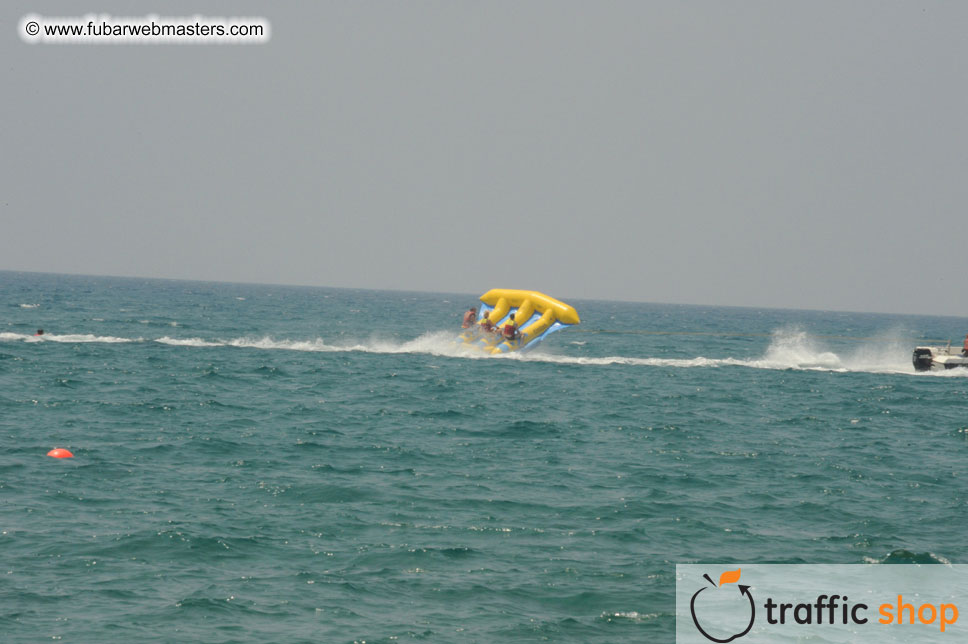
x=289, y=464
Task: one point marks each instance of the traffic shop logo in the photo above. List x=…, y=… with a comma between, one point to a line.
x=723, y=594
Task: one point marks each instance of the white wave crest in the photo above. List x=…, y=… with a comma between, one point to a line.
x=440, y=343
x=623, y=360
x=29, y=306
x=789, y=348
x=434, y=343
x=67, y=338
x=86, y=337
x=188, y=342
x=267, y=342
x=792, y=348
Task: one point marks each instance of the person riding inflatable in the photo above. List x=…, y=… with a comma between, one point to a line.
x=486, y=325
x=510, y=331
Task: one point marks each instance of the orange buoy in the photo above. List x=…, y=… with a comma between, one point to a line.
x=60, y=452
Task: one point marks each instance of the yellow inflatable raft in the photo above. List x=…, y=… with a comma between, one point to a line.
x=535, y=314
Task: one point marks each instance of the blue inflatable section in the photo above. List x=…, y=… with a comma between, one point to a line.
x=496, y=341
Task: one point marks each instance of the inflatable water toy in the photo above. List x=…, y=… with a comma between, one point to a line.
x=536, y=314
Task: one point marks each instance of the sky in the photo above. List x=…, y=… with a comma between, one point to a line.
x=807, y=155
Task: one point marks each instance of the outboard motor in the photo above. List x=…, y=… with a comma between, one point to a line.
x=922, y=359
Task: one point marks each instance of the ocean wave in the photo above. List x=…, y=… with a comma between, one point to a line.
x=793, y=348
x=902, y=556
x=87, y=337
x=188, y=342
x=265, y=343
x=66, y=338
x=789, y=348
x=631, y=615
x=441, y=343
x=268, y=343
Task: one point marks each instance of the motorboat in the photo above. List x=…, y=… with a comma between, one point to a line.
x=938, y=358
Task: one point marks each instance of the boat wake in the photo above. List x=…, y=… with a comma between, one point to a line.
x=789, y=349
x=792, y=349
x=440, y=343
x=74, y=338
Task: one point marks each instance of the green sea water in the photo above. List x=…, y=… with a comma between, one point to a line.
x=282, y=464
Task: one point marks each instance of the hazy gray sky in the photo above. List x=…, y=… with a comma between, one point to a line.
x=802, y=155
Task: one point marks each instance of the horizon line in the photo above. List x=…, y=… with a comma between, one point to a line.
x=400, y=290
